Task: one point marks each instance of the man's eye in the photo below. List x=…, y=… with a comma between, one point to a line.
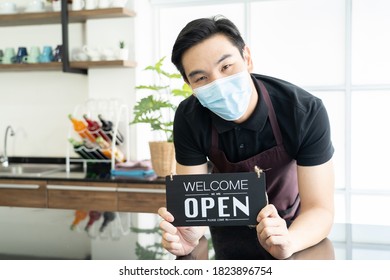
x=225, y=67
x=200, y=79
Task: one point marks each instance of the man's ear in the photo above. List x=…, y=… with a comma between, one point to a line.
x=248, y=58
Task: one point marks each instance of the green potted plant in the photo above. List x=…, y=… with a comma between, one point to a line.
x=123, y=52
x=157, y=109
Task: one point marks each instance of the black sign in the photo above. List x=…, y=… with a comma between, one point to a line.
x=216, y=199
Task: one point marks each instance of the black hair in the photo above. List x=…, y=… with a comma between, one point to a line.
x=201, y=29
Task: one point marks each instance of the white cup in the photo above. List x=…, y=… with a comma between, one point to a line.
x=93, y=53
x=35, y=6
x=119, y=3
x=78, y=5
x=91, y=4
x=103, y=4
x=79, y=55
x=7, y=8
x=107, y=54
x=56, y=5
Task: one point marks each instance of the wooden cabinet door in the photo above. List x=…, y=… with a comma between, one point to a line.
x=143, y=198
x=23, y=193
x=82, y=195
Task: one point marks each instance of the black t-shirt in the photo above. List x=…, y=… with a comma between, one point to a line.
x=302, y=119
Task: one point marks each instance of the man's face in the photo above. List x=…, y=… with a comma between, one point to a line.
x=214, y=58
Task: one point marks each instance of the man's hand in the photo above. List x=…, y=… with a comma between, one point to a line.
x=273, y=234
x=179, y=241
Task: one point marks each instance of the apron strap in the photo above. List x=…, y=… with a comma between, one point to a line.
x=271, y=114
x=214, y=137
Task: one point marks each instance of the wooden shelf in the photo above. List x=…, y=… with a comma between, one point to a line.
x=103, y=63
x=82, y=16
x=31, y=67
x=49, y=17
x=57, y=66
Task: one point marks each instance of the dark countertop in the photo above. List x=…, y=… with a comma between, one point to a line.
x=79, y=171
x=44, y=183
x=345, y=242
x=322, y=251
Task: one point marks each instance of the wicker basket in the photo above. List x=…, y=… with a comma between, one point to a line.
x=162, y=155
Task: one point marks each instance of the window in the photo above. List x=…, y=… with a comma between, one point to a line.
x=339, y=51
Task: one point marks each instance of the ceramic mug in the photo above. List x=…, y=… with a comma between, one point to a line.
x=35, y=6
x=78, y=5
x=91, y=4
x=9, y=54
x=119, y=3
x=30, y=59
x=56, y=5
x=47, y=55
x=7, y=8
x=93, y=53
x=19, y=58
x=107, y=54
x=79, y=55
x=103, y=4
x=33, y=55
x=34, y=51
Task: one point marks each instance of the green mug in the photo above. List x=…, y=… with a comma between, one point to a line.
x=9, y=54
x=33, y=55
x=30, y=59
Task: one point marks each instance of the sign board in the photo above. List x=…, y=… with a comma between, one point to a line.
x=218, y=199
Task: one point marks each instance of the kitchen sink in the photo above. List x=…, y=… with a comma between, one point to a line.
x=29, y=169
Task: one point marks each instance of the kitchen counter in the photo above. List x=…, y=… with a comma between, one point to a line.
x=90, y=188
x=324, y=250
x=345, y=242
x=94, y=190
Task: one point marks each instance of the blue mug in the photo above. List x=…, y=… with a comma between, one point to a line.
x=46, y=55
x=19, y=58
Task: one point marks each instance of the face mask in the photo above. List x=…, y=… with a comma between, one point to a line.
x=226, y=97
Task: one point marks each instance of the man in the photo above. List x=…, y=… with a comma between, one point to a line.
x=238, y=120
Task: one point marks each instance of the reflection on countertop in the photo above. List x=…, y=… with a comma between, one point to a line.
x=58, y=169
x=345, y=242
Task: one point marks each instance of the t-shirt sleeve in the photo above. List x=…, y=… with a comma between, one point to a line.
x=316, y=145
x=187, y=147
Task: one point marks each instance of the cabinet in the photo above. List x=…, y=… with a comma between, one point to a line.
x=139, y=197
x=64, y=18
x=23, y=193
x=100, y=196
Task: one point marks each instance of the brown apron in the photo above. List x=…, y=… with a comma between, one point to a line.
x=240, y=242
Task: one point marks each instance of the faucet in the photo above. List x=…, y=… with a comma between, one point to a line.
x=4, y=158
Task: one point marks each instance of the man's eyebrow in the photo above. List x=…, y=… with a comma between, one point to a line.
x=197, y=72
x=223, y=58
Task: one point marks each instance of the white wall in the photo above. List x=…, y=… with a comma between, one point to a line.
x=36, y=104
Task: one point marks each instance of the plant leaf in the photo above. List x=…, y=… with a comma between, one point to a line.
x=152, y=87
x=154, y=110
x=185, y=91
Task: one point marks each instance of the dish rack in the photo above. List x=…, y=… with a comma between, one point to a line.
x=112, y=110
